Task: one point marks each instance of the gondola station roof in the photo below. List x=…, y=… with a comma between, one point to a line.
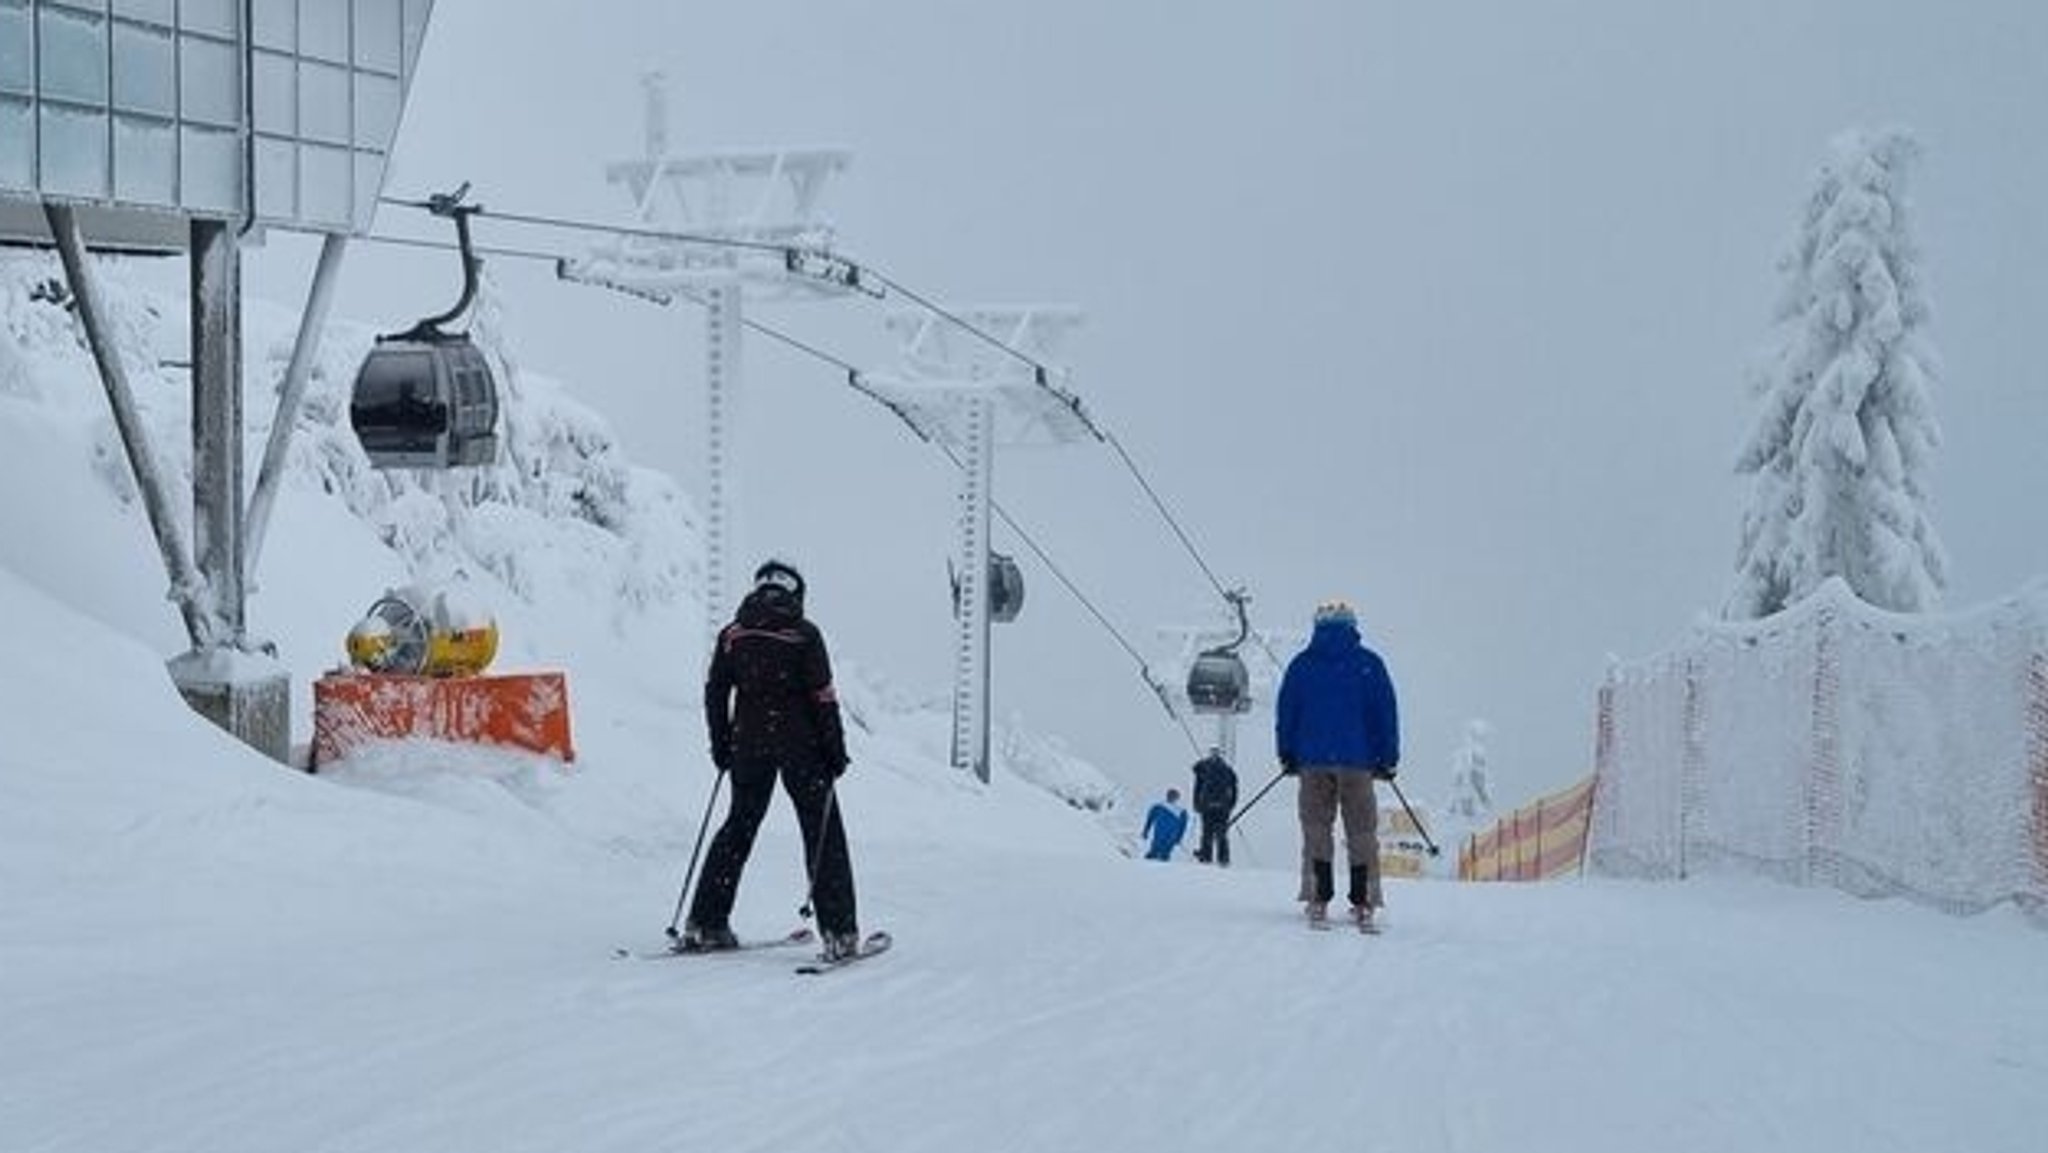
x=144, y=114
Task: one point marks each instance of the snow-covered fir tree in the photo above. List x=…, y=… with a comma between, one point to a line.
x=1841, y=448
x=1471, y=798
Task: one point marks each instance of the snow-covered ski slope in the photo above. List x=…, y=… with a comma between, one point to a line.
x=199, y=951
x=202, y=951
x=205, y=953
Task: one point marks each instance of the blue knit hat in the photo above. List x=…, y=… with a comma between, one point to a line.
x=1336, y=611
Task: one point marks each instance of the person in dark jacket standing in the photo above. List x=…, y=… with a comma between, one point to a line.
x=1338, y=731
x=1215, y=798
x=770, y=710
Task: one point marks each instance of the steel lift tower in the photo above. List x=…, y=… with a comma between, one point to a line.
x=740, y=224
x=974, y=379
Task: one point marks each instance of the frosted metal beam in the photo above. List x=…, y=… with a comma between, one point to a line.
x=156, y=505
x=216, y=291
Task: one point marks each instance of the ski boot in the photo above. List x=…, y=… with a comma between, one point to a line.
x=842, y=946
x=706, y=939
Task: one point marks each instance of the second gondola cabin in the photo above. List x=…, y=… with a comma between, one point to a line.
x=1005, y=588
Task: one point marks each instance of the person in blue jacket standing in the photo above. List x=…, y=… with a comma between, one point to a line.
x=1165, y=823
x=1338, y=731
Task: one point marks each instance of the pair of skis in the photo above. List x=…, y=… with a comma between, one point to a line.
x=873, y=944
x=1365, y=925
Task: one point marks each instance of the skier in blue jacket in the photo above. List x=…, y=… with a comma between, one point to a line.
x=1338, y=731
x=1165, y=823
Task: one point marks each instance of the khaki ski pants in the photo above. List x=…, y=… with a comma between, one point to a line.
x=1327, y=794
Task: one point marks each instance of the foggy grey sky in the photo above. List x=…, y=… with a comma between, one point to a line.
x=1442, y=308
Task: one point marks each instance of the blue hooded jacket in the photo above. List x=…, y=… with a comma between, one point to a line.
x=1165, y=824
x=1336, y=706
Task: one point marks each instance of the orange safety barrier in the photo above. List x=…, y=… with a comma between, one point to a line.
x=520, y=710
x=2037, y=764
x=1537, y=842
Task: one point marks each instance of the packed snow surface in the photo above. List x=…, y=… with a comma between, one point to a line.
x=203, y=951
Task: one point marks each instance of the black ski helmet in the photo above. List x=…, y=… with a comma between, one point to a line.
x=781, y=575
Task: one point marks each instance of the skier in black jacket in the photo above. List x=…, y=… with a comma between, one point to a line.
x=1215, y=797
x=770, y=711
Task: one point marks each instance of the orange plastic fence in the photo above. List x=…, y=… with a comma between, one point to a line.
x=1541, y=840
x=2037, y=764
x=521, y=710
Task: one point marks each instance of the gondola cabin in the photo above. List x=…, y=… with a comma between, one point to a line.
x=1218, y=683
x=425, y=403
x=424, y=398
x=1005, y=588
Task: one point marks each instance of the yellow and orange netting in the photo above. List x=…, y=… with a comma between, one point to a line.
x=1541, y=840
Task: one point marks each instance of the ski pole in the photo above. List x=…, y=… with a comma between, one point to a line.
x=811, y=863
x=1433, y=850
x=690, y=873
x=1247, y=807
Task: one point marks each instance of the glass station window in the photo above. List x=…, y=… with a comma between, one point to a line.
x=145, y=70
x=323, y=30
x=145, y=160
x=210, y=75
x=17, y=49
x=210, y=169
x=74, y=50
x=276, y=95
x=369, y=182
x=377, y=100
x=17, y=143
x=164, y=12
x=277, y=178
x=379, y=36
x=415, y=30
x=323, y=103
x=324, y=184
x=217, y=17
x=74, y=150
x=274, y=24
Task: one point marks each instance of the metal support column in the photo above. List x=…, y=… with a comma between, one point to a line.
x=247, y=694
x=722, y=341
x=971, y=657
x=216, y=279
